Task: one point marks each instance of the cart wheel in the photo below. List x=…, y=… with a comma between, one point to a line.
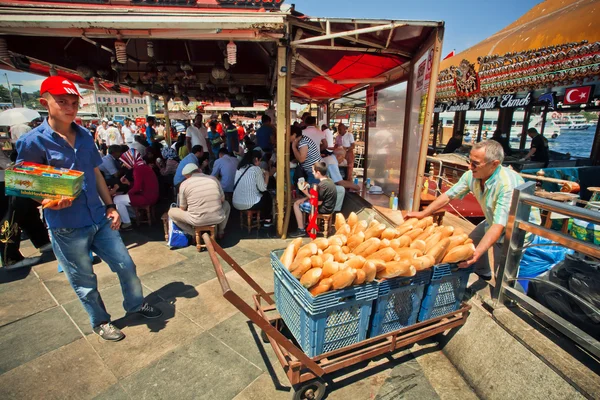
x=314, y=390
x=264, y=337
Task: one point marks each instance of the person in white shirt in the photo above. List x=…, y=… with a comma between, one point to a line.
x=18, y=130
x=313, y=133
x=113, y=136
x=333, y=172
x=328, y=137
x=128, y=131
x=101, y=131
x=196, y=135
x=348, y=145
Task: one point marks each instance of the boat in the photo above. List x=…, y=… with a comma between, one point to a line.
x=570, y=122
x=490, y=123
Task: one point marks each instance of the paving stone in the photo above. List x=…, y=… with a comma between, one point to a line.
x=187, y=272
x=407, y=381
x=21, y=295
x=209, y=307
x=263, y=388
x=153, y=256
x=147, y=340
x=115, y=392
x=259, y=270
x=72, y=372
x=202, y=369
x=263, y=246
x=241, y=255
x=35, y=335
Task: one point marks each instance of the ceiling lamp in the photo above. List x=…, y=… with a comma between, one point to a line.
x=52, y=71
x=150, y=47
x=3, y=49
x=234, y=89
x=121, y=51
x=218, y=73
x=231, y=53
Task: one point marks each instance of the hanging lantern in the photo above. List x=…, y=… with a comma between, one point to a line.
x=226, y=64
x=121, y=51
x=85, y=72
x=150, y=48
x=231, y=53
x=3, y=49
x=234, y=89
x=52, y=71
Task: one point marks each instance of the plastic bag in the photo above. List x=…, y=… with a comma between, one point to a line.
x=537, y=260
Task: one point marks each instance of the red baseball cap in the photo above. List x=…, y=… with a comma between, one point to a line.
x=58, y=85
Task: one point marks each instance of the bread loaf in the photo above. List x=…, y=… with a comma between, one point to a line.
x=389, y=233
x=412, y=234
x=355, y=262
x=361, y=276
x=386, y=254
x=424, y=223
x=306, y=251
x=409, y=222
x=423, y=262
x=458, y=231
x=311, y=277
x=355, y=240
x=403, y=229
x=370, y=270
x=404, y=241
x=344, y=230
x=322, y=243
x=339, y=220
x=343, y=278
x=333, y=249
x=345, y=249
x=407, y=252
x=287, y=258
x=446, y=231
x=326, y=257
x=418, y=244
x=397, y=268
x=330, y=268
x=427, y=232
x=395, y=243
x=383, y=244
x=360, y=226
x=368, y=247
x=460, y=253
x=439, y=250
x=323, y=286
x=340, y=256
x=432, y=241
x=316, y=262
x=374, y=231
x=340, y=240
x=457, y=240
x=379, y=264
x=302, y=266
x=352, y=219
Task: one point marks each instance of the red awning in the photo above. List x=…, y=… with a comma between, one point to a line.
x=361, y=66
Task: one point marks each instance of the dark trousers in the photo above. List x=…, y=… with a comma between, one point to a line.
x=19, y=213
x=265, y=205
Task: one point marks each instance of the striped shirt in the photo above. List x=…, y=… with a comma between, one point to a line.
x=249, y=188
x=313, y=155
x=496, y=197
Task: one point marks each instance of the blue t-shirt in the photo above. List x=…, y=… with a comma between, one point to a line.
x=150, y=133
x=190, y=158
x=44, y=146
x=215, y=142
x=233, y=140
x=263, y=137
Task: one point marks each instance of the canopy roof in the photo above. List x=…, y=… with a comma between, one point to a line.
x=180, y=50
x=550, y=23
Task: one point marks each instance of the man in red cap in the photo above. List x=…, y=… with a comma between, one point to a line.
x=84, y=224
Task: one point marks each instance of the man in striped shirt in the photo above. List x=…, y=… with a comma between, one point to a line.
x=493, y=186
x=306, y=153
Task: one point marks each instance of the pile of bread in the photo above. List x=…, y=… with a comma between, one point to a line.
x=360, y=252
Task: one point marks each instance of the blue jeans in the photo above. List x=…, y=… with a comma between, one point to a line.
x=72, y=249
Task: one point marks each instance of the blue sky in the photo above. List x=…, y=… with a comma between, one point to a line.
x=467, y=21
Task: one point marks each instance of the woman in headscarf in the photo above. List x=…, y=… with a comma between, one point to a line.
x=168, y=163
x=144, y=189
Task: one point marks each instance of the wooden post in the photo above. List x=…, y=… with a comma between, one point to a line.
x=544, y=116
x=168, y=122
x=480, y=126
x=525, y=127
x=283, y=149
x=437, y=49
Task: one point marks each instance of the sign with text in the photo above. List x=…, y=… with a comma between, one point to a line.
x=486, y=103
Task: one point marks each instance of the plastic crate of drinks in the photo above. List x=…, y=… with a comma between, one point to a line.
x=445, y=292
x=327, y=322
x=399, y=303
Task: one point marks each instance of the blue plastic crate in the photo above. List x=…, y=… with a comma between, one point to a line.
x=445, y=292
x=399, y=303
x=326, y=322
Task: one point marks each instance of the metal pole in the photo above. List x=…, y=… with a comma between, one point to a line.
x=544, y=115
x=436, y=128
x=167, y=121
x=525, y=127
x=480, y=126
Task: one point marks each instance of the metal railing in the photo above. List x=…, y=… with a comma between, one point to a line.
x=517, y=227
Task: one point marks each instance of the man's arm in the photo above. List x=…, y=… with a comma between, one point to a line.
x=438, y=203
x=111, y=213
x=530, y=154
x=188, y=143
x=300, y=153
x=492, y=236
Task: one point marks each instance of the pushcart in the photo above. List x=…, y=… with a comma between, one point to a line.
x=307, y=375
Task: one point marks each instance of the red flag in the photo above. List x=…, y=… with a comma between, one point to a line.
x=577, y=95
x=451, y=54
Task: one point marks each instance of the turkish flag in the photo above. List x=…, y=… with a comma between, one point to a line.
x=578, y=95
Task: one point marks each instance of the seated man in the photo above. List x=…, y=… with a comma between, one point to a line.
x=333, y=171
x=196, y=157
x=110, y=166
x=225, y=168
x=201, y=202
x=327, y=198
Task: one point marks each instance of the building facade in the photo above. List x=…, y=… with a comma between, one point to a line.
x=109, y=105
